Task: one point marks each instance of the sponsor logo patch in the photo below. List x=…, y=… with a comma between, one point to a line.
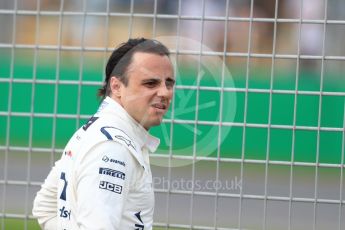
x=112, y=172
x=107, y=159
x=110, y=187
x=127, y=141
x=64, y=213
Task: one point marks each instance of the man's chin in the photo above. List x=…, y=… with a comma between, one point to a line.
x=152, y=123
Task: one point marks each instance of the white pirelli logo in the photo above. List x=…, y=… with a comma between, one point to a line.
x=112, y=172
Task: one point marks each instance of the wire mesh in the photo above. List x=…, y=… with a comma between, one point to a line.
x=281, y=149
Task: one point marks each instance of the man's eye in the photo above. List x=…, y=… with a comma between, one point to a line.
x=170, y=84
x=150, y=84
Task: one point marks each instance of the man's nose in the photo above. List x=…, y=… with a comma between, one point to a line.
x=164, y=91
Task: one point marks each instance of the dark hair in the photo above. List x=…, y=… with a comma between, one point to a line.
x=121, y=58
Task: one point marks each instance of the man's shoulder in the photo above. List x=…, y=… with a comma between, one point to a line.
x=106, y=128
x=100, y=129
x=120, y=135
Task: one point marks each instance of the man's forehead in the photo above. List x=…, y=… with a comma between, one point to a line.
x=147, y=72
x=142, y=57
x=149, y=63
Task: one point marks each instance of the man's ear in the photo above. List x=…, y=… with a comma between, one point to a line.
x=115, y=86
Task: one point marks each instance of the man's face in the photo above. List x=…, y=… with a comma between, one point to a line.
x=150, y=88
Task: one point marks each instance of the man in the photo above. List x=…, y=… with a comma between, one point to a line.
x=103, y=179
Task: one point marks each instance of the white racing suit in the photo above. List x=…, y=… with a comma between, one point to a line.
x=103, y=179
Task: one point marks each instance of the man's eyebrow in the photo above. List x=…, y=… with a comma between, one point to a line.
x=151, y=79
x=171, y=80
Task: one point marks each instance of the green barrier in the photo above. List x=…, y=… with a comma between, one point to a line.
x=258, y=107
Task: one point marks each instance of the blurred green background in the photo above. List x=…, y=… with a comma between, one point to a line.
x=258, y=106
